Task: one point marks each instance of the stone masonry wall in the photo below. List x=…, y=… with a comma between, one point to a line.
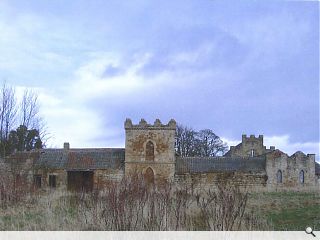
x=61, y=177
x=244, y=149
x=103, y=177
x=162, y=138
x=209, y=181
x=290, y=168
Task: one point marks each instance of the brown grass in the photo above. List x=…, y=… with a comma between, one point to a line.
x=131, y=204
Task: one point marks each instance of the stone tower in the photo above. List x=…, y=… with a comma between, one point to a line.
x=249, y=147
x=149, y=149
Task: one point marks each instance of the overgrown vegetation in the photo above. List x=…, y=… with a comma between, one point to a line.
x=134, y=204
x=131, y=204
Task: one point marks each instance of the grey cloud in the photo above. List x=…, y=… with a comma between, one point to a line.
x=209, y=46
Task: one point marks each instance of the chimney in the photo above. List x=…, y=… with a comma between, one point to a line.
x=66, y=146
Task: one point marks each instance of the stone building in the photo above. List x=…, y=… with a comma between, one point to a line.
x=149, y=150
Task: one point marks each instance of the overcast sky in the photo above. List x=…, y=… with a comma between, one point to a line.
x=232, y=66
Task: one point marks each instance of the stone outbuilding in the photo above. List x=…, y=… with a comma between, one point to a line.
x=150, y=150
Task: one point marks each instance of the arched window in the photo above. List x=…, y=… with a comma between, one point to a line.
x=149, y=151
x=149, y=175
x=252, y=153
x=301, y=176
x=279, y=176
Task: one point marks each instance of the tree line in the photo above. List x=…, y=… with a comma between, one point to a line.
x=21, y=127
x=203, y=143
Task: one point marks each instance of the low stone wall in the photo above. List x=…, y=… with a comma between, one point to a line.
x=249, y=182
x=246, y=181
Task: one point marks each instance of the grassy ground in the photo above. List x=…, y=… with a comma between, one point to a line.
x=280, y=211
x=291, y=211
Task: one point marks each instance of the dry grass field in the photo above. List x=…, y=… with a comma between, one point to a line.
x=133, y=205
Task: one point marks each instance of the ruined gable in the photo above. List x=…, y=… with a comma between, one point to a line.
x=295, y=172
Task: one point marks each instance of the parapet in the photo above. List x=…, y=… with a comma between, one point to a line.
x=66, y=146
x=252, y=137
x=156, y=126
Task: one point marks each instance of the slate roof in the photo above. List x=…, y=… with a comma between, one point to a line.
x=317, y=168
x=51, y=158
x=219, y=164
x=82, y=159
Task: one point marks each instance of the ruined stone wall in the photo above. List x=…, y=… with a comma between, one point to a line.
x=103, y=177
x=244, y=149
x=61, y=177
x=19, y=165
x=209, y=181
x=161, y=137
x=291, y=168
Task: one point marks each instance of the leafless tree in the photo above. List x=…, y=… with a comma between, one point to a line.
x=8, y=110
x=8, y=113
x=29, y=109
x=30, y=115
x=14, y=115
x=185, y=141
x=209, y=144
x=205, y=143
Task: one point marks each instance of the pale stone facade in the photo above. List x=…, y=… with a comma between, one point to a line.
x=291, y=172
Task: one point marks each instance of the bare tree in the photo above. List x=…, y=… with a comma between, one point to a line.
x=205, y=143
x=30, y=115
x=29, y=109
x=185, y=141
x=14, y=115
x=8, y=111
x=209, y=144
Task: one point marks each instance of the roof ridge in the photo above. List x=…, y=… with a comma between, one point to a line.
x=223, y=157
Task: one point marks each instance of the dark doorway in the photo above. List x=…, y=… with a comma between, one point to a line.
x=37, y=181
x=52, y=181
x=80, y=181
